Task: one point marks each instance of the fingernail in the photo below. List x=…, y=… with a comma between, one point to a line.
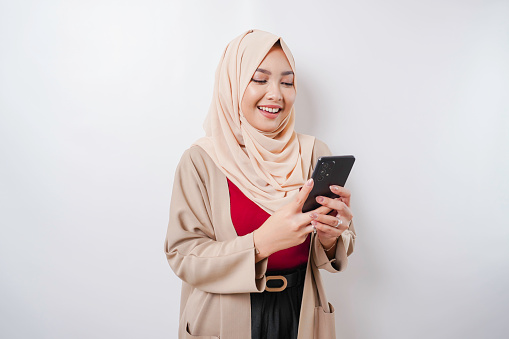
x=314, y=215
x=334, y=188
x=309, y=182
x=313, y=222
x=319, y=199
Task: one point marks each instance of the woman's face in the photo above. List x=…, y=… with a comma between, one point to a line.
x=270, y=95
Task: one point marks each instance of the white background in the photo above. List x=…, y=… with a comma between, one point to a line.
x=99, y=99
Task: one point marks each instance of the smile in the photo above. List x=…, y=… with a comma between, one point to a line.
x=270, y=110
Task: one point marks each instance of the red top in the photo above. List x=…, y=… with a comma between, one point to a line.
x=247, y=216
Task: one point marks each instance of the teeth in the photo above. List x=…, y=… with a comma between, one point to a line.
x=270, y=110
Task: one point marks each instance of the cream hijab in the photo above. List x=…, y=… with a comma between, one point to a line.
x=269, y=168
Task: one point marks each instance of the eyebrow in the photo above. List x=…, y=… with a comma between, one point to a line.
x=270, y=73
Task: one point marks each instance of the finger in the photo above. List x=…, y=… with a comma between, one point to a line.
x=309, y=229
x=321, y=210
x=337, y=205
x=341, y=191
x=328, y=231
x=344, y=193
x=301, y=197
x=341, y=224
x=345, y=213
x=343, y=210
x=327, y=219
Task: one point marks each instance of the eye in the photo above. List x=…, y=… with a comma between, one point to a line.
x=289, y=84
x=259, y=81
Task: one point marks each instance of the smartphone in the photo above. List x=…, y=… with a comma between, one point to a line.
x=332, y=170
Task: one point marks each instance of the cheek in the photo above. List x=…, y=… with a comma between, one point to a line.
x=251, y=97
x=290, y=97
x=243, y=106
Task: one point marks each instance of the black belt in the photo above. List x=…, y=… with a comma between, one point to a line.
x=280, y=282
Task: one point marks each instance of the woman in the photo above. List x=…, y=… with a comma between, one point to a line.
x=247, y=255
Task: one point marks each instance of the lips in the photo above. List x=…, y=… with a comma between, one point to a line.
x=270, y=112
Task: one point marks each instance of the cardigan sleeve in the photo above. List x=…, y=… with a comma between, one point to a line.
x=191, y=247
x=346, y=240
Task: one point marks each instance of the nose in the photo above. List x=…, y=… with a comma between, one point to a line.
x=274, y=92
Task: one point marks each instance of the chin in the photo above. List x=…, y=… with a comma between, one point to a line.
x=268, y=127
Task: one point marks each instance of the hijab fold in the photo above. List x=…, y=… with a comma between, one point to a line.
x=268, y=167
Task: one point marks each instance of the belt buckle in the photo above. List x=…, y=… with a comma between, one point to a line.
x=276, y=289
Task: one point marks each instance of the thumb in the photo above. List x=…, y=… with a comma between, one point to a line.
x=301, y=197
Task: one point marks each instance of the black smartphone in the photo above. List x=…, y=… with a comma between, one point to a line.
x=332, y=170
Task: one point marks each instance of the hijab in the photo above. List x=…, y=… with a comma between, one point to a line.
x=268, y=167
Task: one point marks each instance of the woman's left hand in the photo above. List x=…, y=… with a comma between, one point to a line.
x=329, y=227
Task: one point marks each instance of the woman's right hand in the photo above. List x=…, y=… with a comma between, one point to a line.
x=287, y=227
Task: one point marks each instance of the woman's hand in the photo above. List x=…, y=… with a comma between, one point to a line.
x=329, y=227
x=287, y=227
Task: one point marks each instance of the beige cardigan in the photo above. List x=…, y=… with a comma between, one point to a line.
x=217, y=267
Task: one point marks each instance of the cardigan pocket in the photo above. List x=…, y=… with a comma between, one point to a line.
x=325, y=327
x=190, y=336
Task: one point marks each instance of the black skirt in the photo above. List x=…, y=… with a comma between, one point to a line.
x=275, y=315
